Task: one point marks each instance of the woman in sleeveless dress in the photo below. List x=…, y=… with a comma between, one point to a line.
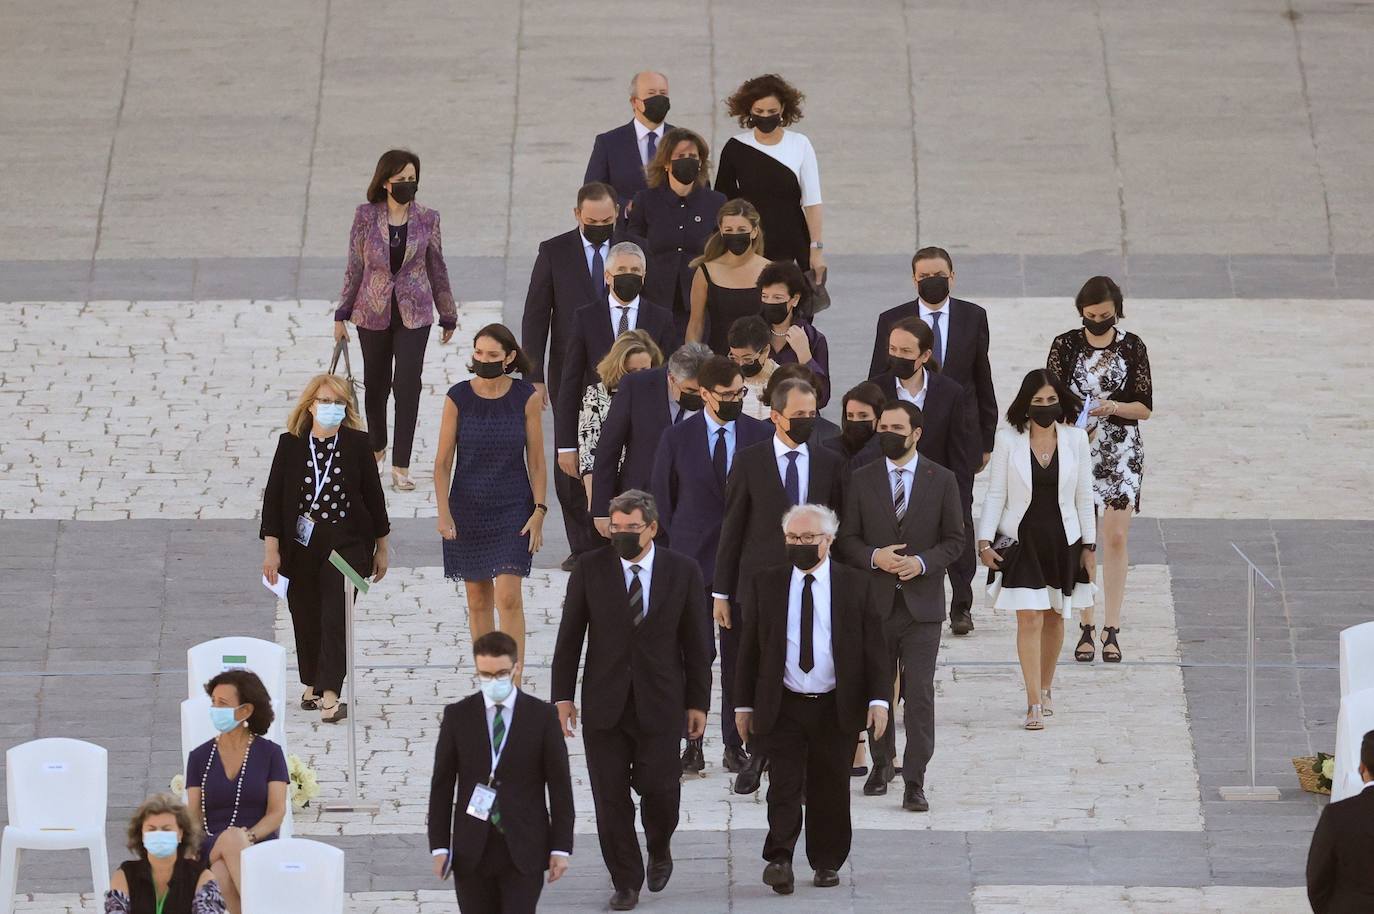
x=491, y=516
x=724, y=288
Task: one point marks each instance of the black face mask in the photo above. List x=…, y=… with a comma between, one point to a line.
x=689, y=401
x=902, y=368
x=856, y=432
x=774, y=312
x=656, y=108
x=799, y=429
x=487, y=370
x=803, y=557
x=729, y=410
x=765, y=124
x=597, y=234
x=737, y=242
x=1097, y=328
x=933, y=289
x=403, y=191
x=1045, y=416
x=627, y=285
x=893, y=444
x=750, y=369
x=626, y=545
x=685, y=170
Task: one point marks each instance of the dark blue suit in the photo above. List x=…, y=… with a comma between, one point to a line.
x=616, y=161
x=633, y=425
x=674, y=230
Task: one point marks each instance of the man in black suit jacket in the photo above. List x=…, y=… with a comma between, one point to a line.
x=642, y=610
x=962, y=353
x=645, y=403
x=1340, y=863
x=949, y=436
x=813, y=671
x=904, y=523
x=569, y=273
x=498, y=856
x=619, y=155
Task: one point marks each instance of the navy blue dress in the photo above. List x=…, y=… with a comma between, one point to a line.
x=490, y=498
x=266, y=763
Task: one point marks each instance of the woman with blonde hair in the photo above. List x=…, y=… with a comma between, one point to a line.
x=724, y=288
x=633, y=350
x=166, y=876
x=323, y=495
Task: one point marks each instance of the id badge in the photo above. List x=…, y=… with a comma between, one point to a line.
x=305, y=528
x=479, y=807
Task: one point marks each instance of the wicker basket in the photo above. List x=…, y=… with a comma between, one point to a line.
x=1309, y=779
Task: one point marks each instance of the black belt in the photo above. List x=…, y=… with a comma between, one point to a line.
x=810, y=696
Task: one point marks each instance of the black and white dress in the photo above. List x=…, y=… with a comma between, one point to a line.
x=1119, y=371
x=779, y=180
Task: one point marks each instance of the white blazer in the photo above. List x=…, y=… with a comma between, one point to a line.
x=1009, y=485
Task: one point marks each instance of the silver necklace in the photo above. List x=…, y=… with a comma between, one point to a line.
x=238, y=784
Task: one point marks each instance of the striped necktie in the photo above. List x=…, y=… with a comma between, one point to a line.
x=636, y=596
x=899, y=493
x=498, y=737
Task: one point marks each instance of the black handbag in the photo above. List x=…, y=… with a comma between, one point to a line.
x=341, y=349
x=816, y=293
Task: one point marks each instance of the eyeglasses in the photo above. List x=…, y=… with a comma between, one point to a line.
x=329, y=401
x=804, y=539
x=774, y=300
x=628, y=528
x=730, y=396
x=481, y=678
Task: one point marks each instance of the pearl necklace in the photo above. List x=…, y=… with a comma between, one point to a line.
x=238, y=784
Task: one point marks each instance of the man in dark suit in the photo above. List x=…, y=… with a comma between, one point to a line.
x=694, y=460
x=642, y=610
x=769, y=478
x=503, y=750
x=569, y=273
x=619, y=155
x=961, y=350
x=949, y=436
x=1340, y=863
x=594, y=329
x=645, y=404
x=813, y=671
x=904, y=523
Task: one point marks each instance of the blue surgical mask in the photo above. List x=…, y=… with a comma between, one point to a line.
x=222, y=719
x=330, y=415
x=162, y=844
x=498, y=689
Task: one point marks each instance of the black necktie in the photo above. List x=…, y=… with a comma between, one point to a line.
x=807, y=660
x=598, y=272
x=677, y=413
x=718, y=456
x=636, y=596
x=938, y=350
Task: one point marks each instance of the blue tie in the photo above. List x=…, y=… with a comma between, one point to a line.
x=791, y=483
x=939, y=349
x=598, y=273
x=651, y=141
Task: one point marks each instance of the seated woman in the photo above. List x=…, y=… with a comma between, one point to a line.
x=167, y=877
x=633, y=350
x=238, y=779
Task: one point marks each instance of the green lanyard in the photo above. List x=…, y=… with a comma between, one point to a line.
x=162, y=901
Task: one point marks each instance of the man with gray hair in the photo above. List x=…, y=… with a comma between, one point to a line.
x=644, y=405
x=619, y=155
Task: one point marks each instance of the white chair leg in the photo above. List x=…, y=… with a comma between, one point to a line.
x=100, y=870
x=9, y=873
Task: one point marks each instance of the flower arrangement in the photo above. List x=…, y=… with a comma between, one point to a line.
x=304, y=785
x=1315, y=772
x=178, y=785
x=1324, y=769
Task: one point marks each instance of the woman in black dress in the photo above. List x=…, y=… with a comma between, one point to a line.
x=674, y=217
x=775, y=169
x=727, y=273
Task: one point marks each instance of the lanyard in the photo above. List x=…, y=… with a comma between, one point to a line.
x=163, y=900
x=321, y=478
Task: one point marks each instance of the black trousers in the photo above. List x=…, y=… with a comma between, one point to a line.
x=729, y=653
x=577, y=520
x=315, y=598
x=963, y=568
x=915, y=646
x=809, y=756
x=497, y=887
x=622, y=758
x=406, y=349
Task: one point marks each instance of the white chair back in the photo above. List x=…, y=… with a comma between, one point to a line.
x=196, y=730
x=209, y=659
x=1357, y=658
x=56, y=784
x=1356, y=718
x=291, y=875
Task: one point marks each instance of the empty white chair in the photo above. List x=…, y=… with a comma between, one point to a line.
x=1357, y=658
x=57, y=791
x=210, y=658
x=196, y=729
x=1356, y=718
x=292, y=875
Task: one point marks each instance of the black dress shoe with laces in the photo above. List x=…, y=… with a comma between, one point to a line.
x=624, y=899
x=961, y=621
x=659, y=872
x=693, y=759
x=734, y=760
x=569, y=563
x=751, y=775
x=778, y=875
x=825, y=879
x=914, y=799
x=876, y=785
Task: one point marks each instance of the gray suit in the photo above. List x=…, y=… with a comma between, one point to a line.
x=933, y=529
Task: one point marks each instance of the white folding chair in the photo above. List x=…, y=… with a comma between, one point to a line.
x=1356, y=718
x=1357, y=658
x=209, y=659
x=196, y=729
x=291, y=875
x=57, y=790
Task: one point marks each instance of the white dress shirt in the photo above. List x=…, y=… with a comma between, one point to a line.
x=589, y=250
x=646, y=571
x=712, y=426
x=927, y=311
x=780, y=451
x=632, y=316
x=908, y=477
x=917, y=399
x=642, y=138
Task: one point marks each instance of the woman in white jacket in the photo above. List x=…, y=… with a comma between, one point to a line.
x=1037, y=534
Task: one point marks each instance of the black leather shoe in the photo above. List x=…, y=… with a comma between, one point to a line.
x=779, y=875
x=624, y=899
x=914, y=799
x=659, y=872
x=876, y=785
x=961, y=621
x=751, y=775
x=693, y=759
x=734, y=760
x=569, y=564
x=825, y=879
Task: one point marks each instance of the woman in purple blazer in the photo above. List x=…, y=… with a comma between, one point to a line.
x=395, y=280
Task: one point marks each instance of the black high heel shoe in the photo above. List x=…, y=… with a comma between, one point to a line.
x=1086, y=650
x=1111, y=651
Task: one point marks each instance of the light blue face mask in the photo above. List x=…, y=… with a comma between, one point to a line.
x=498, y=690
x=222, y=719
x=162, y=844
x=330, y=415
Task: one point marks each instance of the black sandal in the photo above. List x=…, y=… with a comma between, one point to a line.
x=1109, y=643
x=340, y=710
x=308, y=703
x=1086, y=651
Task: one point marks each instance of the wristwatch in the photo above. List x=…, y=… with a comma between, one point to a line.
x=544, y=508
x=1091, y=547
x=818, y=245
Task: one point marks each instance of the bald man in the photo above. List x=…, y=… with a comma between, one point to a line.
x=619, y=155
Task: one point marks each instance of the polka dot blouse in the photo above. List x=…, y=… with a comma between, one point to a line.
x=332, y=506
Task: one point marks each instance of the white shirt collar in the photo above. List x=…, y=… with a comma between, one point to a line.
x=641, y=131
x=505, y=705
x=909, y=468
x=925, y=380
x=927, y=310
x=632, y=304
x=645, y=564
x=821, y=573
x=779, y=449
